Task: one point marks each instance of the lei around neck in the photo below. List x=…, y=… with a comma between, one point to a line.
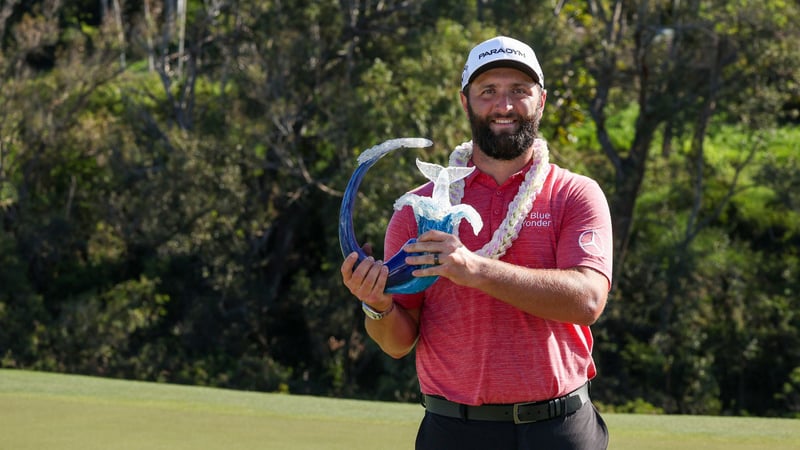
x=507, y=232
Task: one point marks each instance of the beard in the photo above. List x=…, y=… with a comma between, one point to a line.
x=503, y=146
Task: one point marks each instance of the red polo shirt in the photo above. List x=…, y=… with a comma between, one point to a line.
x=475, y=349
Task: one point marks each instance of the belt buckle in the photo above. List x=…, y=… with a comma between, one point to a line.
x=517, y=420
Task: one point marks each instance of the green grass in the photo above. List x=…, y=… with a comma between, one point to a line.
x=50, y=411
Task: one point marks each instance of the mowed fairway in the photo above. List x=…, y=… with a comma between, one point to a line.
x=50, y=411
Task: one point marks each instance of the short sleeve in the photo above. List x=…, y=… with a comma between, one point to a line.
x=585, y=236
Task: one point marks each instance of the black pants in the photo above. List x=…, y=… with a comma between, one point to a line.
x=582, y=430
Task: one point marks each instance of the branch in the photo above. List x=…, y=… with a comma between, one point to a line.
x=732, y=191
x=597, y=111
x=316, y=183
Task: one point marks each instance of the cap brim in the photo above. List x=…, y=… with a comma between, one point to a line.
x=524, y=68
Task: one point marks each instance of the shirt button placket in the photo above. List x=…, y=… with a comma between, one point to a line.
x=497, y=208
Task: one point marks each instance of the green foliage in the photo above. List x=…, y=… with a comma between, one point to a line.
x=702, y=319
x=636, y=406
x=791, y=393
x=171, y=216
x=98, y=334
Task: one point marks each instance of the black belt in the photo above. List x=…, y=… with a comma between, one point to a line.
x=517, y=412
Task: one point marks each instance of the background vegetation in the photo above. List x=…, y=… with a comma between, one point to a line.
x=171, y=171
x=71, y=412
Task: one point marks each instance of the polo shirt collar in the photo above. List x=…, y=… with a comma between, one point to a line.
x=477, y=174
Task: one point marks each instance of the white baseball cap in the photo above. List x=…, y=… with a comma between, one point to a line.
x=501, y=51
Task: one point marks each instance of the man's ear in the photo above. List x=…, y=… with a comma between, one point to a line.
x=543, y=100
x=464, y=101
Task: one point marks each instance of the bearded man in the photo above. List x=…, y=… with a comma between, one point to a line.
x=502, y=338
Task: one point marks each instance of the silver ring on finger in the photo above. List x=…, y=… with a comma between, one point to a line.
x=436, y=259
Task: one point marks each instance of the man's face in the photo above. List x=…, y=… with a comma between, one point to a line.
x=504, y=108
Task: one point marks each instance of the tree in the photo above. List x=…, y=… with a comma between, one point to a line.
x=171, y=218
x=688, y=67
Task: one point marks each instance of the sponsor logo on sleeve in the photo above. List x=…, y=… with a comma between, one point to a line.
x=591, y=243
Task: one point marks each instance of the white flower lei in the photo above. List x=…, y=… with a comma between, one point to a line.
x=508, y=231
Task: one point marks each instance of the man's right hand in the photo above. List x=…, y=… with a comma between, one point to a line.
x=367, y=281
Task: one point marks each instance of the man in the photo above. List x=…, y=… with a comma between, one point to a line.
x=502, y=339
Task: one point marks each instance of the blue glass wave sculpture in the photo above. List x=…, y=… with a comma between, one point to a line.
x=431, y=213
